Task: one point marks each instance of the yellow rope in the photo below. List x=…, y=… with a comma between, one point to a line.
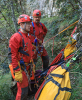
x=68, y=27
x=61, y=31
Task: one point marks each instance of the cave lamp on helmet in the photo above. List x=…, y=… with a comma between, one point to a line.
x=36, y=13
x=24, y=18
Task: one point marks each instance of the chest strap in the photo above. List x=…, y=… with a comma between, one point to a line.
x=21, y=48
x=34, y=28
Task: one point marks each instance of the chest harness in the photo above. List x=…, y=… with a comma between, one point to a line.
x=36, y=41
x=22, y=63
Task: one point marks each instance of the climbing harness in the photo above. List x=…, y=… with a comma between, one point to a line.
x=23, y=67
x=32, y=69
x=37, y=45
x=34, y=28
x=21, y=49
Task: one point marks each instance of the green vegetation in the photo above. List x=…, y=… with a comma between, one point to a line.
x=68, y=14
x=5, y=84
x=59, y=43
x=76, y=81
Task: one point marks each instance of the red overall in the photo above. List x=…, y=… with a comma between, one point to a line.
x=15, y=56
x=38, y=32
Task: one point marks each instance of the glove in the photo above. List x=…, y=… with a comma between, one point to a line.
x=73, y=41
x=18, y=76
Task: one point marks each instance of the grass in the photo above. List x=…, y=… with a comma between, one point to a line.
x=76, y=85
x=5, y=84
x=76, y=81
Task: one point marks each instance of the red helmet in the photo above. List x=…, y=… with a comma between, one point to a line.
x=24, y=18
x=36, y=13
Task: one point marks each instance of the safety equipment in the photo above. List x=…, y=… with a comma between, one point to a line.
x=39, y=35
x=56, y=86
x=34, y=27
x=15, y=55
x=70, y=48
x=25, y=48
x=18, y=76
x=36, y=13
x=24, y=18
x=21, y=48
x=22, y=61
x=37, y=41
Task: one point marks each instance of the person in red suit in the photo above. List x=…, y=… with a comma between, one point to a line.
x=20, y=55
x=38, y=32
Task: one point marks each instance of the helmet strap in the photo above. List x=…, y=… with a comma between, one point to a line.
x=24, y=27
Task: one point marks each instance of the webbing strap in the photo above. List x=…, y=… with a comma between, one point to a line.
x=57, y=75
x=16, y=68
x=65, y=89
x=50, y=78
x=41, y=25
x=22, y=38
x=35, y=36
x=21, y=49
x=34, y=28
x=64, y=67
x=32, y=24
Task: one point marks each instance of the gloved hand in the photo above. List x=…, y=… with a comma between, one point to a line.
x=73, y=41
x=18, y=76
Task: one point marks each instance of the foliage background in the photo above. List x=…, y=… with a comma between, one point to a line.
x=69, y=12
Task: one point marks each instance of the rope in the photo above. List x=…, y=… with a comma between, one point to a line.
x=53, y=47
x=61, y=31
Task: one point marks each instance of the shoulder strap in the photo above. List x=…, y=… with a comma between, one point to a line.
x=41, y=25
x=22, y=38
x=33, y=24
x=21, y=49
x=34, y=27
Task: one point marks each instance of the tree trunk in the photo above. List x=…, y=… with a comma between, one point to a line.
x=79, y=30
x=13, y=16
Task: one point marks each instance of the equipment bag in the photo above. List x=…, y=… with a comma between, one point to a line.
x=56, y=86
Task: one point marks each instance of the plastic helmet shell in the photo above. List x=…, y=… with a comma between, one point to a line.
x=36, y=13
x=24, y=18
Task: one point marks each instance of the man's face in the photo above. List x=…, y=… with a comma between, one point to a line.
x=37, y=19
x=27, y=26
